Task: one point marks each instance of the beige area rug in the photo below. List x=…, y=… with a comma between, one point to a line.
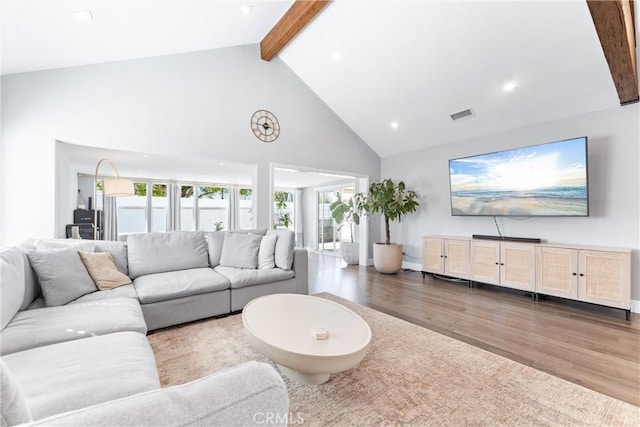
x=411, y=376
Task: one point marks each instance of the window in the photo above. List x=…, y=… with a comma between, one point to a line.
x=132, y=211
x=159, y=204
x=245, y=204
x=283, y=212
x=187, y=213
x=213, y=208
x=202, y=207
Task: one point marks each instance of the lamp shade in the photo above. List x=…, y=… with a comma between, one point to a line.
x=117, y=187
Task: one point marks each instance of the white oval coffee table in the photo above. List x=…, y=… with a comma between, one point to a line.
x=280, y=327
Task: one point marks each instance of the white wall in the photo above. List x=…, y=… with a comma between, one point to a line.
x=614, y=185
x=2, y=156
x=66, y=188
x=194, y=103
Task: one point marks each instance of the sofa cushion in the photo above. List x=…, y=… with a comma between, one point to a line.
x=102, y=270
x=13, y=406
x=242, y=277
x=284, y=248
x=215, y=240
x=126, y=291
x=266, y=253
x=118, y=251
x=78, y=244
x=245, y=395
x=75, y=374
x=39, y=303
x=61, y=274
x=256, y=231
x=240, y=250
x=51, y=325
x=12, y=284
x=32, y=287
x=150, y=253
x=176, y=284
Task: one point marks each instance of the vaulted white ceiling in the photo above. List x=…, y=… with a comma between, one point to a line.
x=43, y=34
x=373, y=62
x=417, y=62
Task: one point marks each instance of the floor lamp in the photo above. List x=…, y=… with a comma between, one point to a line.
x=111, y=187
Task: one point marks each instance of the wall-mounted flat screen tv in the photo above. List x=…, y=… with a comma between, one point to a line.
x=539, y=180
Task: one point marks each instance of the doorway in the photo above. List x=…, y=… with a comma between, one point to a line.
x=330, y=233
x=313, y=224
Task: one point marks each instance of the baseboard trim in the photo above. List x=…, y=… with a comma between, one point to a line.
x=635, y=306
x=412, y=266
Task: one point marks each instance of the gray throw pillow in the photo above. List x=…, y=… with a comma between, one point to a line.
x=266, y=253
x=215, y=239
x=62, y=275
x=240, y=250
x=284, y=248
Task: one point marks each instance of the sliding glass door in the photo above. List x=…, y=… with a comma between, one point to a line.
x=330, y=233
x=327, y=228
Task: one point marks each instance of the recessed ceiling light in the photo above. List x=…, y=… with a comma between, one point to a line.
x=83, y=15
x=510, y=87
x=394, y=125
x=247, y=8
x=336, y=56
x=145, y=155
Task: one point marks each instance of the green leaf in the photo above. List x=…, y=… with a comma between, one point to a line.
x=356, y=218
x=388, y=197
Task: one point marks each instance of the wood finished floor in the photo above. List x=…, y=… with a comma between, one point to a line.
x=585, y=344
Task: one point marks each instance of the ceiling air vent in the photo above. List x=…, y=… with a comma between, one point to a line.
x=462, y=115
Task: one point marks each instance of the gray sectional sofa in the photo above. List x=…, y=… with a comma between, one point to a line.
x=76, y=355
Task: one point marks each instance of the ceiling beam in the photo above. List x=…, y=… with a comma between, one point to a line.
x=292, y=22
x=615, y=25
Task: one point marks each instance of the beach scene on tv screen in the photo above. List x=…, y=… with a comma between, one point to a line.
x=540, y=180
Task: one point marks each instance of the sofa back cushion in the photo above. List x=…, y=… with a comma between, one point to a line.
x=13, y=406
x=118, y=251
x=258, y=231
x=150, y=253
x=32, y=289
x=215, y=240
x=62, y=275
x=12, y=284
x=240, y=250
x=284, y=248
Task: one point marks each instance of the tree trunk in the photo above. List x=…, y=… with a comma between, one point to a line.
x=386, y=229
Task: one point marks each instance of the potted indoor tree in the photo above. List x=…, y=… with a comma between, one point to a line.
x=343, y=214
x=391, y=199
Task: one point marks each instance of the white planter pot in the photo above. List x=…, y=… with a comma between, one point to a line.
x=349, y=252
x=387, y=258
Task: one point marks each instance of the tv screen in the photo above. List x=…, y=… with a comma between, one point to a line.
x=539, y=180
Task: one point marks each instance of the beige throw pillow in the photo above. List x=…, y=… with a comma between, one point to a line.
x=103, y=271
